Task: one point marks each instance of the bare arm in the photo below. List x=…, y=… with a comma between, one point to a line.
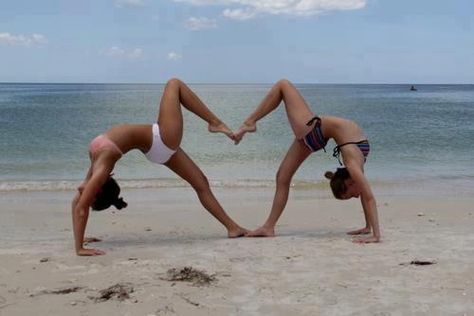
x=80, y=210
x=293, y=159
x=368, y=202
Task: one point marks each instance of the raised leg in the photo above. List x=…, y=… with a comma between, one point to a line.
x=170, y=117
x=297, y=110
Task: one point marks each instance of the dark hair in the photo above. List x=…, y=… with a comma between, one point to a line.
x=338, y=185
x=109, y=195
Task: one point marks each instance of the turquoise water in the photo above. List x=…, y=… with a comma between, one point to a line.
x=418, y=138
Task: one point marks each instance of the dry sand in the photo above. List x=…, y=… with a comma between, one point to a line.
x=310, y=268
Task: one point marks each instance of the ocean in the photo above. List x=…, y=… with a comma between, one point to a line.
x=419, y=139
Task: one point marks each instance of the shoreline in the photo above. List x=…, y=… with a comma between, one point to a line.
x=411, y=187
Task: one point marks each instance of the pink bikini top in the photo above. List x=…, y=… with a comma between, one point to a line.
x=102, y=142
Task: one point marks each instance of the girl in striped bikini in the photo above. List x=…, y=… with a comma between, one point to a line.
x=312, y=134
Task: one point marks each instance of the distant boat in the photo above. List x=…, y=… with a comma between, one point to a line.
x=413, y=88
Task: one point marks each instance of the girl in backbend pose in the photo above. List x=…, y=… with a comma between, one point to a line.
x=160, y=143
x=312, y=134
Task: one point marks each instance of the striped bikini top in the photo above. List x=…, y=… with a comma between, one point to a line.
x=363, y=146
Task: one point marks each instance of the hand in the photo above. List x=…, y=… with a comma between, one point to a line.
x=238, y=232
x=366, y=240
x=89, y=240
x=90, y=252
x=250, y=128
x=362, y=231
x=262, y=232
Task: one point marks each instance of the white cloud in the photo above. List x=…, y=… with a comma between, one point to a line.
x=129, y=3
x=239, y=14
x=118, y=52
x=196, y=24
x=22, y=40
x=174, y=56
x=247, y=9
x=136, y=53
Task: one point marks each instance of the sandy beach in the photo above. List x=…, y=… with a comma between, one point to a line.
x=310, y=268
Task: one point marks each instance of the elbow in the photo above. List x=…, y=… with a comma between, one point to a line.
x=369, y=200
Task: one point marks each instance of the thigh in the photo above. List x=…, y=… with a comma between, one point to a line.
x=297, y=110
x=181, y=164
x=297, y=153
x=170, y=118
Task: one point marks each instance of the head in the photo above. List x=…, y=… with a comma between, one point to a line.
x=342, y=185
x=108, y=196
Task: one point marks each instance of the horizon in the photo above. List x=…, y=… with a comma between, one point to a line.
x=240, y=83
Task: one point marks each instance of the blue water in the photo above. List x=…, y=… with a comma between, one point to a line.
x=417, y=138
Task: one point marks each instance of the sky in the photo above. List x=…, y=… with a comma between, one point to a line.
x=237, y=41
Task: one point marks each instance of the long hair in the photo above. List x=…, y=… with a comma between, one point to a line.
x=337, y=183
x=108, y=196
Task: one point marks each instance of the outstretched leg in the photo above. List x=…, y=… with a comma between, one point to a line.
x=292, y=161
x=297, y=110
x=183, y=166
x=170, y=117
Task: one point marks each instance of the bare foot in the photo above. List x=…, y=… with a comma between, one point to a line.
x=262, y=232
x=221, y=128
x=238, y=232
x=362, y=231
x=245, y=128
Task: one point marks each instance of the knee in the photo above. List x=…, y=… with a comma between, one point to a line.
x=282, y=83
x=173, y=82
x=201, y=183
x=282, y=179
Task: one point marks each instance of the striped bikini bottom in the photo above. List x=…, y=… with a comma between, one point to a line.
x=315, y=140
